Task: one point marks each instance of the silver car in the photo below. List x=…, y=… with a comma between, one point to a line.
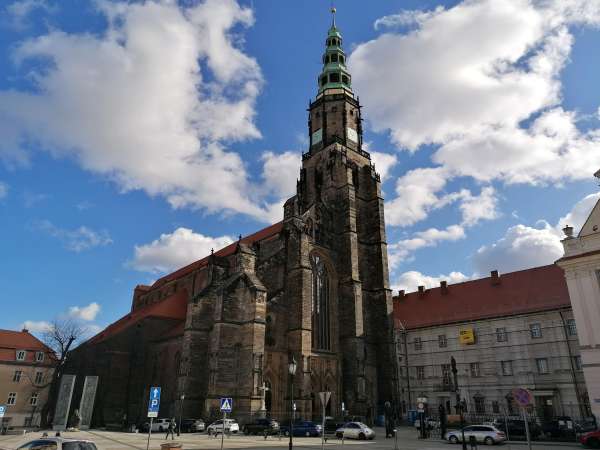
x=355, y=430
x=58, y=443
x=486, y=434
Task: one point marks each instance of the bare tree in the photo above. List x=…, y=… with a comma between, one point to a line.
x=60, y=337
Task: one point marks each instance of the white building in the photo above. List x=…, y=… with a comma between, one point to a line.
x=581, y=264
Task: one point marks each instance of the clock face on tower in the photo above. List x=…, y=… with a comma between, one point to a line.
x=317, y=136
x=352, y=134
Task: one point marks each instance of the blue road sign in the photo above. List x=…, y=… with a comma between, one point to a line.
x=2, y=410
x=154, y=402
x=226, y=404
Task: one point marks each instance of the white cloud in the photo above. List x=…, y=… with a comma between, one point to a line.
x=523, y=247
x=505, y=58
x=149, y=104
x=175, y=250
x=77, y=240
x=36, y=326
x=3, y=190
x=481, y=207
x=20, y=11
x=280, y=172
x=383, y=163
x=86, y=313
x=411, y=280
x=30, y=199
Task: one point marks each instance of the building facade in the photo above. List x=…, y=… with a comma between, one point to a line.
x=313, y=288
x=515, y=330
x=26, y=368
x=581, y=263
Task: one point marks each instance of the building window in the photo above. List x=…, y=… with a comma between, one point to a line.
x=323, y=81
x=320, y=304
x=28, y=421
x=334, y=57
x=12, y=398
x=446, y=374
x=442, y=341
x=21, y=355
x=577, y=362
x=34, y=399
x=501, y=335
x=510, y=405
x=495, y=407
x=342, y=59
x=542, y=365
x=475, y=370
x=334, y=77
x=39, y=356
x=507, y=368
x=536, y=330
x=17, y=376
x=418, y=344
x=269, y=338
x=420, y=372
x=571, y=327
x=39, y=377
x=345, y=79
x=479, y=404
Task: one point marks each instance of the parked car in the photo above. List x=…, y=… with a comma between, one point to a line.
x=516, y=428
x=261, y=426
x=355, y=430
x=430, y=423
x=591, y=439
x=486, y=434
x=231, y=426
x=302, y=428
x=332, y=425
x=561, y=427
x=58, y=443
x=160, y=425
x=192, y=425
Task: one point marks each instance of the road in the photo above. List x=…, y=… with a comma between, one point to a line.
x=407, y=440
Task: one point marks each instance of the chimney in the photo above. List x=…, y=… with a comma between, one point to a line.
x=401, y=293
x=421, y=290
x=495, y=277
x=24, y=330
x=444, y=287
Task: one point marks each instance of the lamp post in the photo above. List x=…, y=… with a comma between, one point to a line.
x=181, y=399
x=459, y=404
x=292, y=370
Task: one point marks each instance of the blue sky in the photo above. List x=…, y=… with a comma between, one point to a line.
x=136, y=136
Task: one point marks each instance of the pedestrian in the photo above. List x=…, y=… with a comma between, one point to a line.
x=171, y=429
x=443, y=421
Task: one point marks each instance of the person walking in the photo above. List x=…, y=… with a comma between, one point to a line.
x=171, y=429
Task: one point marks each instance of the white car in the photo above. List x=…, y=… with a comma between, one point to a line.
x=486, y=434
x=161, y=425
x=355, y=430
x=58, y=443
x=231, y=426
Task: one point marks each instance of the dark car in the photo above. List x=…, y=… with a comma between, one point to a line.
x=516, y=428
x=261, y=426
x=302, y=428
x=192, y=425
x=562, y=428
x=591, y=439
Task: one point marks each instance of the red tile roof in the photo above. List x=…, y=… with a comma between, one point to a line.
x=173, y=307
x=260, y=235
x=10, y=341
x=538, y=289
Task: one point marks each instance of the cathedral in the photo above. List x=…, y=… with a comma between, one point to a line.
x=312, y=289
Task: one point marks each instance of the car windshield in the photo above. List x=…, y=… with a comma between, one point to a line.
x=78, y=445
x=362, y=425
x=39, y=445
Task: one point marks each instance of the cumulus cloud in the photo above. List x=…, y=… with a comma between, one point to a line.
x=280, y=172
x=479, y=207
x=523, y=246
x=86, y=313
x=175, y=250
x=77, y=240
x=40, y=326
x=505, y=58
x=150, y=103
x=20, y=11
x=411, y=280
x=383, y=163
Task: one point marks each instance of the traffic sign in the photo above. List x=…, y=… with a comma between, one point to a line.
x=325, y=396
x=2, y=410
x=421, y=407
x=522, y=396
x=154, y=402
x=226, y=404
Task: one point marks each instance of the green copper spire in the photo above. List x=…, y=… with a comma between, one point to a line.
x=334, y=75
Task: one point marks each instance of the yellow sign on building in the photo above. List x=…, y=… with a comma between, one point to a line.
x=466, y=336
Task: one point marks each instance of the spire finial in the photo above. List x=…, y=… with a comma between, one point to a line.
x=333, y=11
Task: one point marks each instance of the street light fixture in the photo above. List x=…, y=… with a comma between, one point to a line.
x=292, y=370
x=181, y=399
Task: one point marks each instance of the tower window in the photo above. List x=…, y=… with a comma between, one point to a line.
x=344, y=79
x=334, y=109
x=320, y=304
x=323, y=80
x=334, y=57
x=334, y=77
x=342, y=59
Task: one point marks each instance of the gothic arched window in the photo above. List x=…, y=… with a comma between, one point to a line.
x=320, y=304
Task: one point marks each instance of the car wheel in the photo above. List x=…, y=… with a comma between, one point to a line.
x=209, y=432
x=307, y=434
x=339, y=435
x=160, y=429
x=593, y=443
x=488, y=441
x=362, y=436
x=453, y=439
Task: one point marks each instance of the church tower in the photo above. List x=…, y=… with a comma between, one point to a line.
x=340, y=322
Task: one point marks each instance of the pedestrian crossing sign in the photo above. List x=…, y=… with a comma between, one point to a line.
x=226, y=404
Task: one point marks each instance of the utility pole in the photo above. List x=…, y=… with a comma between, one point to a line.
x=459, y=405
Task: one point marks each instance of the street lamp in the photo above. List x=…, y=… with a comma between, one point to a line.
x=181, y=399
x=459, y=403
x=292, y=370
